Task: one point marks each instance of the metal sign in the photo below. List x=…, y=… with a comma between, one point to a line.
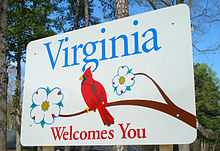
x=129, y=81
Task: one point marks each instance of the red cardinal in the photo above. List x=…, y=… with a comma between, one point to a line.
x=95, y=96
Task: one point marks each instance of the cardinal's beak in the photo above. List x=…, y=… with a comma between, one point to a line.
x=81, y=77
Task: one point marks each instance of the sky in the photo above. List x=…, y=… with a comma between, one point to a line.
x=206, y=35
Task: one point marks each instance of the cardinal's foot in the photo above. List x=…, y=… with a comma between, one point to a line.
x=87, y=109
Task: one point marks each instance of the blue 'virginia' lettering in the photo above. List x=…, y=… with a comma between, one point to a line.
x=122, y=45
x=53, y=60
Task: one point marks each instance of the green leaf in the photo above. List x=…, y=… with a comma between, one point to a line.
x=129, y=70
x=128, y=88
x=115, y=88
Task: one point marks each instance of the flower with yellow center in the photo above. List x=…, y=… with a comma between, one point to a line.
x=123, y=80
x=46, y=105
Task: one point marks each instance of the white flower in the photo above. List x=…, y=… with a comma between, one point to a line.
x=46, y=105
x=123, y=80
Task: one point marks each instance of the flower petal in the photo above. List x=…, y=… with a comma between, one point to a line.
x=39, y=96
x=37, y=114
x=115, y=81
x=121, y=89
x=48, y=118
x=55, y=96
x=122, y=70
x=129, y=79
x=54, y=110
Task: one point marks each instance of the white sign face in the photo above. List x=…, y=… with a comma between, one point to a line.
x=129, y=81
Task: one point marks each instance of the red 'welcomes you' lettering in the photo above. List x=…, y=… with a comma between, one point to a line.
x=132, y=133
x=64, y=133
x=57, y=132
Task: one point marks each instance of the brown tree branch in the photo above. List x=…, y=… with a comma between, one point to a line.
x=165, y=3
x=174, y=111
x=152, y=4
x=207, y=50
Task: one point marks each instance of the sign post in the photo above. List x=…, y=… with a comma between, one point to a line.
x=48, y=148
x=129, y=81
x=166, y=147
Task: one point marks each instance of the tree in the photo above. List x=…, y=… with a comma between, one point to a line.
x=3, y=76
x=77, y=14
x=28, y=20
x=207, y=97
x=207, y=104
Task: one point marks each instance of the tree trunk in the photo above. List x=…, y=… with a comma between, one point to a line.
x=166, y=147
x=121, y=8
x=3, y=76
x=47, y=148
x=204, y=145
x=16, y=101
x=196, y=145
x=215, y=144
x=184, y=147
x=67, y=148
x=83, y=148
x=76, y=7
x=18, y=132
x=18, y=144
x=86, y=12
x=39, y=148
x=119, y=148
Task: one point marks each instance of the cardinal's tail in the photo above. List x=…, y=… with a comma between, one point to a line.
x=105, y=115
